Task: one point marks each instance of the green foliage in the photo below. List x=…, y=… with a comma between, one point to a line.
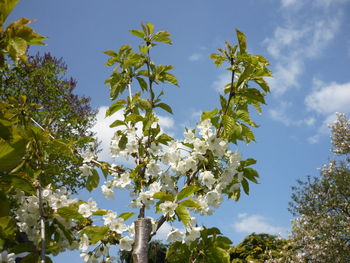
x=248, y=69
x=17, y=36
x=211, y=247
x=259, y=248
x=50, y=101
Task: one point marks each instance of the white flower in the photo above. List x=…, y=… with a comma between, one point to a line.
x=189, y=136
x=193, y=234
x=205, y=128
x=109, y=217
x=86, y=170
x=234, y=159
x=200, y=146
x=126, y=243
x=168, y=208
x=84, y=243
x=155, y=187
x=122, y=182
x=5, y=257
x=174, y=236
x=88, y=156
x=214, y=198
x=118, y=225
x=87, y=208
x=207, y=178
x=107, y=192
x=152, y=169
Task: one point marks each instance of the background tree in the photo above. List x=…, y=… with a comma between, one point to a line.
x=259, y=248
x=42, y=79
x=321, y=231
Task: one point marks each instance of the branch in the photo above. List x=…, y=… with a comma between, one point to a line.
x=42, y=225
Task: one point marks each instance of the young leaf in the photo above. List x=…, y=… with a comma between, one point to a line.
x=187, y=191
x=126, y=215
x=138, y=33
x=92, y=181
x=245, y=186
x=183, y=214
x=165, y=107
x=115, y=107
x=241, y=41
x=162, y=36
x=209, y=114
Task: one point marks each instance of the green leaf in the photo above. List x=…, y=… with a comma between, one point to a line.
x=92, y=181
x=218, y=59
x=142, y=83
x=251, y=174
x=96, y=233
x=183, y=214
x=162, y=36
x=122, y=142
x=248, y=162
x=70, y=212
x=163, y=196
x=190, y=203
x=165, y=107
x=31, y=258
x=115, y=107
x=111, y=53
x=134, y=118
x=126, y=215
x=7, y=226
x=241, y=41
x=18, y=182
x=6, y=7
x=209, y=114
x=100, y=212
x=12, y=152
x=138, y=33
x=117, y=123
x=171, y=79
x=164, y=138
x=245, y=186
x=150, y=28
x=187, y=191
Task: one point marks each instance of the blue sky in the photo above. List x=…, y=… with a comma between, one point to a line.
x=307, y=43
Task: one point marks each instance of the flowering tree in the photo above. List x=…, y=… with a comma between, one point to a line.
x=321, y=231
x=178, y=179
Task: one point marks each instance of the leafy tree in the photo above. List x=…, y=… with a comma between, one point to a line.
x=42, y=79
x=259, y=248
x=321, y=231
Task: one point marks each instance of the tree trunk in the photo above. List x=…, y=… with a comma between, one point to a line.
x=143, y=229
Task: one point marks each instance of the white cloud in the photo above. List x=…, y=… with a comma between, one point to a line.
x=195, y=57
x=221, y=81
x=103, y=132
x=290, y=3
x=280, y=114
x=329, y=98
x=256, y=223
x=297, y=40
x=285, y=75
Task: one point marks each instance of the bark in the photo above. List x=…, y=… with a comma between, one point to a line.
x=143, y=229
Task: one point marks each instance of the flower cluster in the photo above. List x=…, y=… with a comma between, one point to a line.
x=28, y=215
